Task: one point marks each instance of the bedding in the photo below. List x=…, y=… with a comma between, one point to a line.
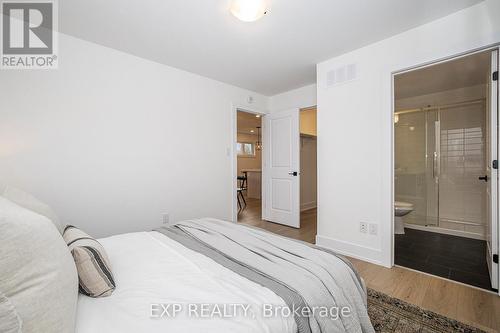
x=28, y=201
x=206, y=276
x=10, y=322
x=95, y=278
x=38, y=279
x=152, y=269
x=310, y=279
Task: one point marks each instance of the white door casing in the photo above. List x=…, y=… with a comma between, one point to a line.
x=492, y=229
x=281, y=165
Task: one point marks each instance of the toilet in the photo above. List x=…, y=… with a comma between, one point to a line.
x=401, y=209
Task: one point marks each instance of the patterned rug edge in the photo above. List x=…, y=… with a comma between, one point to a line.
x=390, y=314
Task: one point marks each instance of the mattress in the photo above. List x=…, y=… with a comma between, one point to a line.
x=161, y=286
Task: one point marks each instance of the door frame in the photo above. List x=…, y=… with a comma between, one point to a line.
x=234, y=155
x=490, y=47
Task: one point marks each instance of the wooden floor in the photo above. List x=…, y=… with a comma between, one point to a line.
x=469, y=305
x=251, y=215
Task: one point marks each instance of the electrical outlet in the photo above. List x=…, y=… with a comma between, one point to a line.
x=373, y=229
x=166, y=218
x=363, y=227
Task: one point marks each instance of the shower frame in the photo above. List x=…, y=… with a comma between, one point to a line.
x=436, y=165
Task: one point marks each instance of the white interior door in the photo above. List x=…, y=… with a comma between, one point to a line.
x=281, y=165
x=492, y=175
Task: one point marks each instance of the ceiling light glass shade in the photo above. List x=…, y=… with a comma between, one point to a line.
x=248, y=10
x=258, y=144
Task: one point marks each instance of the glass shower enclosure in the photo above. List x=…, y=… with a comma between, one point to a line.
x=439, y=155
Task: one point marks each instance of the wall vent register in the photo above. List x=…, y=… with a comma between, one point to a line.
x=341, y=75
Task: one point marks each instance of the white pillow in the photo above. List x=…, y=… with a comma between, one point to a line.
x=37, y=273
x=10, y=322
x=29, y=202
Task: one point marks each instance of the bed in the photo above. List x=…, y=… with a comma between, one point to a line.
x=203, y=275
x=158, y=270
x=161, y=271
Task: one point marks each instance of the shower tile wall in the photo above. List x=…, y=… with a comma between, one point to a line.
x=461, y=195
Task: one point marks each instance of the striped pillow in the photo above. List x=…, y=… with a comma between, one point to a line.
x=92, y=263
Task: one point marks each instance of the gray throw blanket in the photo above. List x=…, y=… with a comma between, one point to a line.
x=313, y=280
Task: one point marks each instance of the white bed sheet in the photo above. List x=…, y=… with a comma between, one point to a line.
x=149, y=268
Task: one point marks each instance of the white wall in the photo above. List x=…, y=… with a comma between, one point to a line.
x=112, y=141
x=297, y=98
x=355, y=126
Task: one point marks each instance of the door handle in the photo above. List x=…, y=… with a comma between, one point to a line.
x=293, y=173
x=485, y=178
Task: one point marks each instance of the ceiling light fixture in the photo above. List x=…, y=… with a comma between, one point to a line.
x=257, y=116
x=258, y=144
x=249, y=10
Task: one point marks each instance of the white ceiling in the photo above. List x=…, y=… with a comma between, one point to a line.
x=459, y=73
x=272, y=55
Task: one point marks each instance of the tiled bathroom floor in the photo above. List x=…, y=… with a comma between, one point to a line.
x=455, y=258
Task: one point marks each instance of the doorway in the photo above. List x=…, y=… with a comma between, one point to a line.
x=249, y=166
x=445, y=187
x=284, y=202
x=308, y=159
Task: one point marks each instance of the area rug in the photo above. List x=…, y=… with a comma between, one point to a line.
x=389, y=314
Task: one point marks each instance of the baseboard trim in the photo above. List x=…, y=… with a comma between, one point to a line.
x=308, y=205
x=350, y=249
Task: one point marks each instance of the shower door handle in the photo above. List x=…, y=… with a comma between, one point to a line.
x=485, y=178
x=434, y=165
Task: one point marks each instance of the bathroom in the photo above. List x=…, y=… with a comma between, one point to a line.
x=444, y=136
